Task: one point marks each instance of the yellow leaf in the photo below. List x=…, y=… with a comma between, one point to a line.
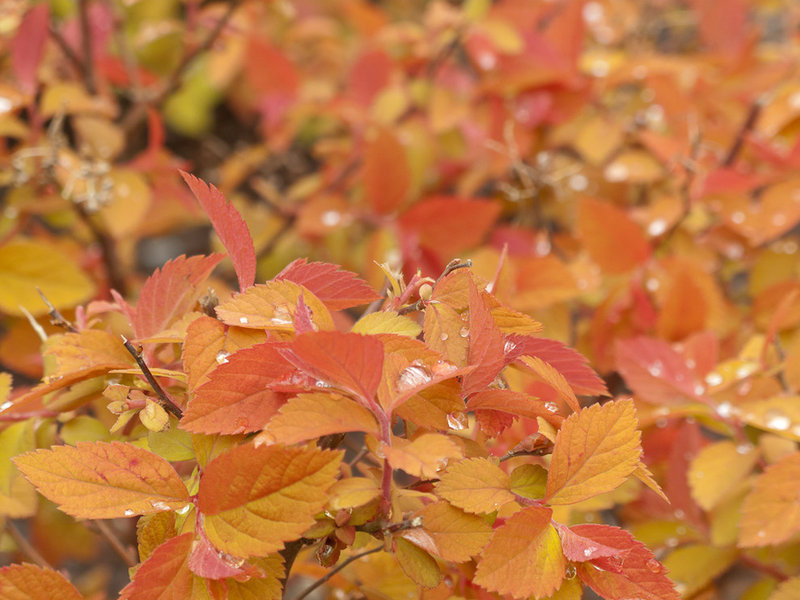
x=787, y=590
x=423, y=457
x=387, y=322
x=771, y=512
x=552, y=377
x=416, y=563
x=17, y=497
x=634, y=166
x=692, y=567
x=449, y=532
x=595, y=451
x=524, y=556
x=643, y=474
x=5, y=387
x=718, y=469
x=104, y=480
x=26, y=265
x=352, y=492
x=152, y=531
x=529, y=481
x=476, y=485
x=172, y=445
x=509, y=320
x=153, y=416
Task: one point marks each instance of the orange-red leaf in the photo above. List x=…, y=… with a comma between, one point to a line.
x=29, y=582
x=336, y=288
x=634, y=574
x=485, y=350
x=255, y=499
x=595, y=451
x=230, y=227
x=524, y=556
x=476, y=485
x=102, y=480
x=449, y=532
x=165, y=574
x=235, y=399
x=513, y=403
x=170, y=292
x=309, y=416
x=605, y=229
x=386, y=175
x=349, y=361
x=28, y=45
x=771, y=512
x=554, y=379
x=423, y=457
x=654, y=371
x=578, y=548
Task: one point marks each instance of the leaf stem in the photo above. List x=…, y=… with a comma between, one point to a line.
x=112, y=538
x=86, y=40
x=56, y=318
x=335, y=570
x=25, y=546
x=165, y=401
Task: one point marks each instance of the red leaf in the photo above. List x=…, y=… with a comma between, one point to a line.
x=485, y=345
x=336, y=288
x=230, y=227
x=386, y=175
x=513, y=403
x=236, y=399
x=654, y=371
x=604, y=229
x=170, y=292
x=348, y=361
x=570, y=363
x=637, y=574
x=165, y=574
x=369, y=75
x=28, y=46
x=206, y=561
x=578, y=548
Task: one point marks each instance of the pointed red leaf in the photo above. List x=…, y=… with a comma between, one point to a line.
x=165, y=574
x=230, y=227
x=28, y=46
x=348, y=361
x=512, y=403
x=170, y=292
x=338, y=289
x=570, y=363
x=578, y=548
x=655, y=372
x=236, y=398
x=386, y=175
x=206, y=561
x=485, y=345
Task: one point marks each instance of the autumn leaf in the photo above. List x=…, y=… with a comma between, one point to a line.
x=554, y=379
x=208, y=562
x=424, y=456
x=29, y=582
x=476, y=485
x=692, y=567
x=787, y=590
x=165, y=573
x=449, y=533
x=655, y=371
x=28, y=264
x=386, y=322
x=578, y=548
x=102, y=480
x=416, y=563
x=485, y=350
x=152, y=531
x=336, y=288
x=27, y=46
x=634, y=573
x=386, y=175
x=512, y=403
x=445, y=332
x=236, y=398
x=255, y=499
x=595, y=451
x=717, y=471
x=170, y=292
x=312, y=415
x=771, y=513
x=230, y=227
x=523, y=557
x=604, y=229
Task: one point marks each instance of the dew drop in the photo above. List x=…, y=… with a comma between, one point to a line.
x=571, y=571
x=762, y=534
x=680, y=530
x=281, y=316
x=243, y=320
x=464, y=332
x=662, y=423
x=656, y=368
x=699, y=389
x=778, y=219
x=331, y=218
x=578, y=182
x=487, y=61
x=184, y=509
x=654, y=566
x=745, y=370
x=444, y=337
x=738, y=217
x=442, y=368
x=724, y=409
x=158, y=505
x=5, y=104
x=671, y=542
x=713, y=379
x=587, y=552
x=657, y=227
x=222, y=357
x=322, y=384
x=411, y=377
x=652, y=284
x=744, y=448
x=680, y=587
x=458, y=421
x=6, y=404
x=699, y=474
x=128, y=512
x=616, y=172
x=679, y=514
x=551, y=406
x=508, y=346
x=777, y=420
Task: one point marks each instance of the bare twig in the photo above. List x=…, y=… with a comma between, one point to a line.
x=86, y=40
x=73, y=58
x=25, y=546
x=165, y=401
x=106, y=243
x=125, y=553
x=56, y=318
x=335, y=570
x=747, y=126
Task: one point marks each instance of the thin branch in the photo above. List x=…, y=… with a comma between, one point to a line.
x=108, y=248
x=86, y=40
x=73, y=58
x=165, y=401
x=56, y=318
x=125, y=553
x=335, y=570
x=747, y=126
x=25, y=546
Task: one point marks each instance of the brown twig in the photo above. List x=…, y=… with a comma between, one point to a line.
x=125, y=553
x=335, y=570
x=165, y=401
x=86, y=40
x=56, y=318
x=25, y=546
x=106, y=243
x=73, y=58
x=749, y=122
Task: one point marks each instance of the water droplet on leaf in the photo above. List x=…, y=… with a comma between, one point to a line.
x=458, y=421
x=222, y=357
x=443, y=337
x=654, y=566
x=464, y=332
x=777, y=420
x=411, y=377
x=243, y=320
x=551, y=406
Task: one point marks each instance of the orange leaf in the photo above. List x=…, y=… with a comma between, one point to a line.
x=524, y=556
x=230, y=227
x=423, y=457
x=165, y=574
x=513, y=403
x=273, y=306
x=386, y=175
x=255, y=499
x=450, y=533
x=717, y=471
x=29, y=582
x=787, y=590
x=476, y=485
x=102, y=480
x=605, y=229
x=634, y=574
x=595, y=451
x=444, y=331
x=170, y=292
x=578, y=548
x=554, y=379
x=309, y=416
x=485, y=345
x=336, y=288
x=235, y=399
x=771, y=513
